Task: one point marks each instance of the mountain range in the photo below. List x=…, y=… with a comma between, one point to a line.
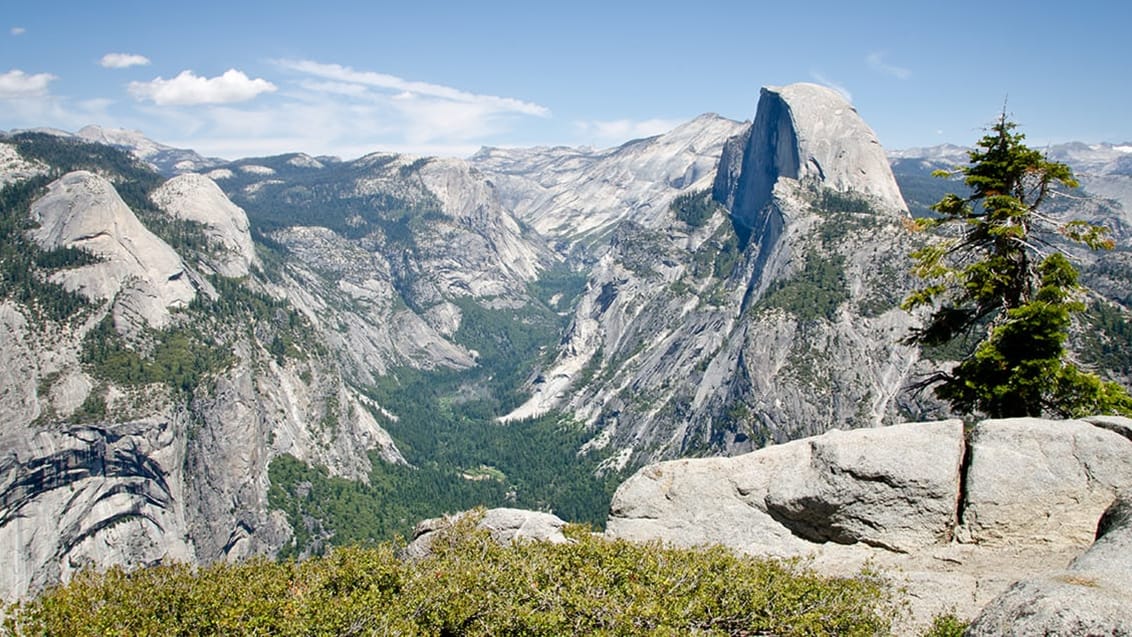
x=206, y=359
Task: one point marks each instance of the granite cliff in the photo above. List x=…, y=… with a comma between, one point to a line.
x=708, y=291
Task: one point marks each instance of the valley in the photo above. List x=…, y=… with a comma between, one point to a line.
x=206, y=360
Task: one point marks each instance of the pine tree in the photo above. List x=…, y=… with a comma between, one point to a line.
x=999, y=268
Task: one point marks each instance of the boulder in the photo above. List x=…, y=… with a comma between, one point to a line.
x=954, y=523
x=1035, y=481
x=895, y=487
x=505, y=525
x=1093, y=596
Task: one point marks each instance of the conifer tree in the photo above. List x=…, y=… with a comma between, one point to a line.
x=998, y=271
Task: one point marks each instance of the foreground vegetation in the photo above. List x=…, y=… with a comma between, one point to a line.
x=470, y=585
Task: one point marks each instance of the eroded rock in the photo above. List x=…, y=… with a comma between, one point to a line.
x=504, y=524
x=1093, y=596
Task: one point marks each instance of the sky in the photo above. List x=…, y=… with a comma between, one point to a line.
x=241, y=78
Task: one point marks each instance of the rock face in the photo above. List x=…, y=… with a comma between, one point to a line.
x=198, y=199
x=579, y=195
x=807, y=132
x=1092, y=596
x=110, y=459
x=14, y=168
x=895, y=487
x=106, y=495
x=1034, y=481
x=137, y=271
x=505, y=525
x=757, y=304
x=957, y=522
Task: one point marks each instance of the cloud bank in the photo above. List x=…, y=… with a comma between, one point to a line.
x=189, y=89
x=408, y=89
x=16, y=84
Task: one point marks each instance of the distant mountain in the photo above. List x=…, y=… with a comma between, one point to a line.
x=1104, y=171
x=275, y=354
x=165, y=159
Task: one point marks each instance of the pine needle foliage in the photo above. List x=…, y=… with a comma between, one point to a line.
x=999, y=265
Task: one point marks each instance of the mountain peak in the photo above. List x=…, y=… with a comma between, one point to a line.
x=805, y=132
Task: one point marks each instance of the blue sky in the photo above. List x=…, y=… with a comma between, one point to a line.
x=237, y=79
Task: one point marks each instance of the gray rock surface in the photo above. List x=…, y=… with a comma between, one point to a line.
x=807, y=133
x=889, y=497
x=138, y=272
x=14, y=167
x=1039, y=481
x=895, y=487
x=1092, y=596
x=88, y=496
x=198, y=199
x=505, y=525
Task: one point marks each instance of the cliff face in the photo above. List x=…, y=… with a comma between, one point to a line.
x=136, y=271
x=760, y=306
x=139, y=427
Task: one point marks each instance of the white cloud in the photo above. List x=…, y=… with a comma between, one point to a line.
x=123, y=60
x=189, y=88
x=824, y=81
x=16, y=84
x=402, y=86
x=18, y=31
x=877, y=63
x=621, y=130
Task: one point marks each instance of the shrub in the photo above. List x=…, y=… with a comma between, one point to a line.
x=470, y=585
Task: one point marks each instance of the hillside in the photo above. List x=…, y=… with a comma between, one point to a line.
x=280, y=354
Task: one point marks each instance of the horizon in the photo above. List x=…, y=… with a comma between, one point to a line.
x=346, y=80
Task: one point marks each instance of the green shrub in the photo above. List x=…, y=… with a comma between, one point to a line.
x=946, y=625
x=470, y=585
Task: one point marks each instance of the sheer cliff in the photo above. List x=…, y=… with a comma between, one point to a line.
x=759, y=308
x=272, y=353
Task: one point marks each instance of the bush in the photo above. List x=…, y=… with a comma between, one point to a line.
x=946, y=625
x=470, y=585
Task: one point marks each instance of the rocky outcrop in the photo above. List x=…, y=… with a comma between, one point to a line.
x=895, y=487
x=89, y=496
x=13, y=167
x=1092, y=596
x=577, y=195
x=137, y=271
x=955, y=522
x=765, y=311
x=505, y=525
x=1041, y=482
x=806, y=133
x=198, y=199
